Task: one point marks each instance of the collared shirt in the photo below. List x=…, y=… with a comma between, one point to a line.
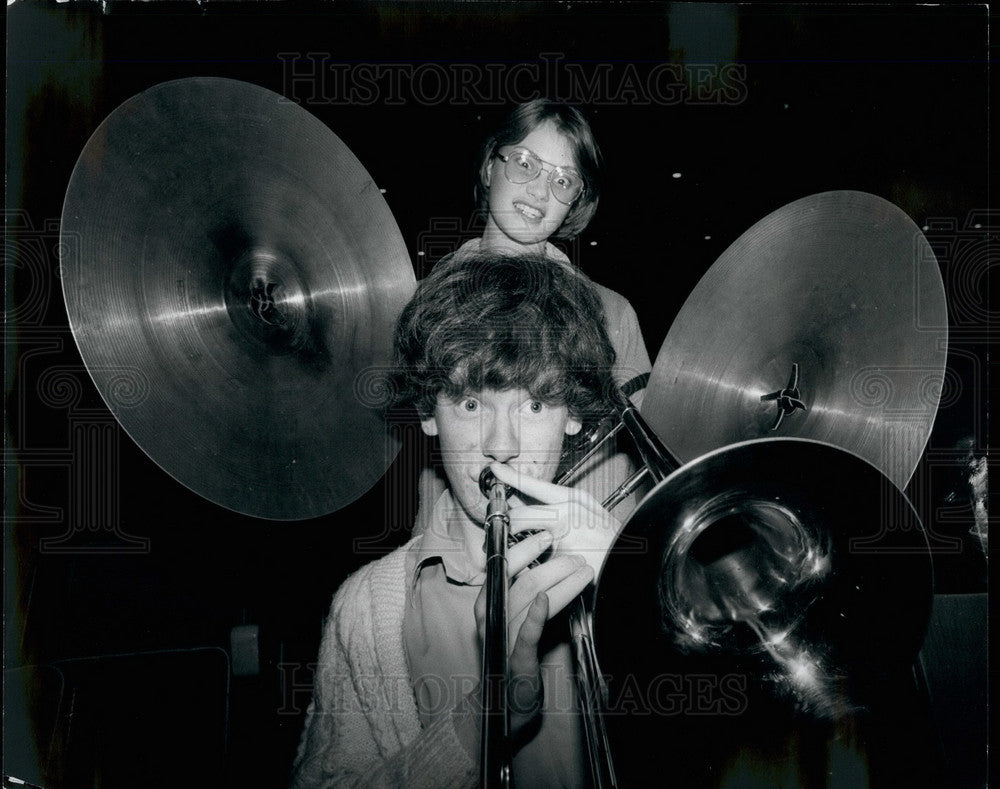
x=445, y=659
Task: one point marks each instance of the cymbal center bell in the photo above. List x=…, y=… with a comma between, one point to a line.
x=787, y=400
x=267, y=301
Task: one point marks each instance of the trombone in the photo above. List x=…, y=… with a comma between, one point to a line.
x=495, y=750
x=657, y=463
x=495, y=753
x=836, y=279
x=785, y=541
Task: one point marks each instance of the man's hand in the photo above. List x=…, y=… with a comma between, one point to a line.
x=582, y=532
x=575, y=519
x=536, y=595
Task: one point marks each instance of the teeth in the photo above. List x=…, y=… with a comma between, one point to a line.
x=528, y=211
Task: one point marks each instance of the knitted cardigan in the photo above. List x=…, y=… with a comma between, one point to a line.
x=362, y=727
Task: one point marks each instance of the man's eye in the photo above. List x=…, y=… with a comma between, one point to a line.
x=470, y=404
x=536, y=406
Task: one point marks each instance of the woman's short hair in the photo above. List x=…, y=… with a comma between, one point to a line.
x=499, y=321
x=569, y=121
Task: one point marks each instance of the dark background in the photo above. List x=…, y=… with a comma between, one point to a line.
x=892, y=101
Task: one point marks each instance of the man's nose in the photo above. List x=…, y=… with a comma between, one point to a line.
x=501, y=438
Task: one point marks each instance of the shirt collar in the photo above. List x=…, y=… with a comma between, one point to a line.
x=450, y=538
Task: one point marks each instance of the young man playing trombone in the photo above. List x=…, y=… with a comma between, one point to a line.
x=503, y=359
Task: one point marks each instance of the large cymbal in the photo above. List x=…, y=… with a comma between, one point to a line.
x=837, y=295
x=232, y=276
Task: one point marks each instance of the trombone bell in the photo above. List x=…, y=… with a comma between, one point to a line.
x=794, y=555
x=768, y=591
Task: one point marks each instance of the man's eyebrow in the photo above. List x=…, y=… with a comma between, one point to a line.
x=460, y=395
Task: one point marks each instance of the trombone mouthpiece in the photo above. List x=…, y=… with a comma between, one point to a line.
x=487, y=479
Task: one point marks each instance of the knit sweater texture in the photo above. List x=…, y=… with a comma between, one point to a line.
x=362, y=726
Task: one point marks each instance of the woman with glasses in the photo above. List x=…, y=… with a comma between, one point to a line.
x=538, y=178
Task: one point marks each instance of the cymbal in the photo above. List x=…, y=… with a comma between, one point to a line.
x=232, y=276
x=825, y=320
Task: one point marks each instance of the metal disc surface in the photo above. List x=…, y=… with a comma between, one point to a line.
x=825, y=320
x=232, y=276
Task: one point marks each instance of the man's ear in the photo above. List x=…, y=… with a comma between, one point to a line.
x=573, y=426
x=429, y=426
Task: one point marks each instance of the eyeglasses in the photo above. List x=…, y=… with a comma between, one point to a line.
x=522, y=166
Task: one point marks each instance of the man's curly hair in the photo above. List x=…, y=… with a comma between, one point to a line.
x=500, y=321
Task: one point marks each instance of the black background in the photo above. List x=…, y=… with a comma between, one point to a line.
x=888, y=100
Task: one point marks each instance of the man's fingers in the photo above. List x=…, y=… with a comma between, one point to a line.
x=525, y=681
x=524, y=656
x=521, y=554
x=562, y=578
x=480, y=609
x=569, y=588
x=545, y=492
x=548, y=517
